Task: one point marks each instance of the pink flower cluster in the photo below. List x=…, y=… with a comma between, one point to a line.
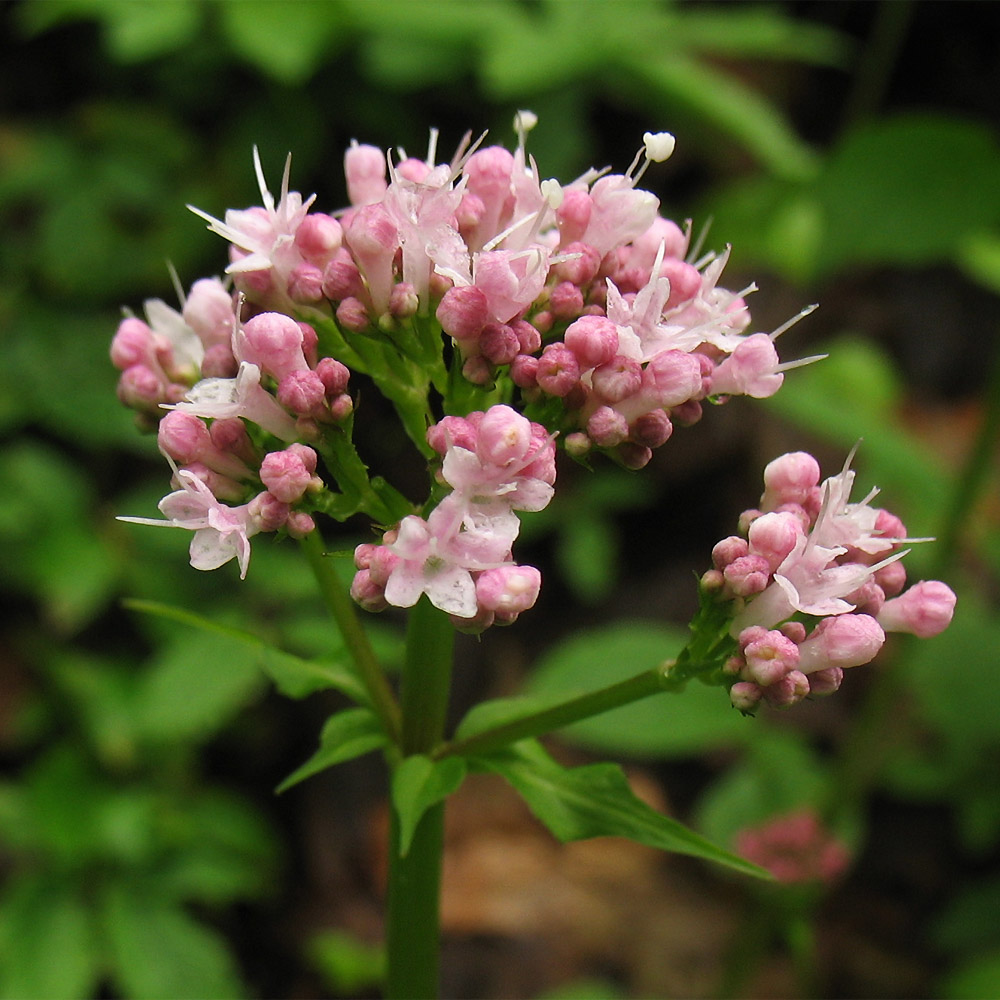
x=261, y=373
x=795, y=848
x=495, y=463
x=579, y=293
x=809, y=553
x=579, y=304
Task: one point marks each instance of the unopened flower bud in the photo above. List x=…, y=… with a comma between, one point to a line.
x=499, y=343
x=606, y=427
x=651, y=429
x=618, y=379
x=593, y=339
x=318, y=238
x=926, y=609
x=303, y=393
x=558, y=370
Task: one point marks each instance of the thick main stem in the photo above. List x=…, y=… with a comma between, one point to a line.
x=413, y=930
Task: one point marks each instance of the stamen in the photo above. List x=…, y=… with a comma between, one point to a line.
x=801, y=314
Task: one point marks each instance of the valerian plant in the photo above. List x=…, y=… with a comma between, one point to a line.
x=505, y=317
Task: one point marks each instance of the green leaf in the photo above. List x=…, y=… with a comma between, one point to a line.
x=968, y=921
x=419, y=783
x=346, y=735
x=596, y=801
x=293, y=676
x=910, y=189
x=349, y=966
x=974, y=979
x=671, y=724
x=979, y=258
x=159, y=953
x=948, y=674
x=195, y=686
x=285, y=40
x=48, y=946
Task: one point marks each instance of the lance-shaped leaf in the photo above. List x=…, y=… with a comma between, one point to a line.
x=419, y=783
x=294, y=676
x=346, y=735
x=596, y=801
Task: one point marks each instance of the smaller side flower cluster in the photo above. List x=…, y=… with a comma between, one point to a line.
x=494, y=463
x=795, y=848
x=808, y=553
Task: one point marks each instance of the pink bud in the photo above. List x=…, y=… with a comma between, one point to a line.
x=273, y=342
x=219, y=362
x=303, y=393
x=685, y=281
x=789, y=479
x=132, y=344
x=573, y=215
x=504, y=436
x=728, y=550
x=558, y=370
x=183, y=437
x=745, y=695
x=825, y=682
x=606, y=427
x=285, y=475
x=790, y=690
x=926, y=609
x=593, y=339
x=334, y=375
x=769, y=657
x=842, y=641
x=463, y=311
x=299, y=524
x=508, y=589
x=499, y=343
x=528, y=338
x=566, y=300
x=318, y=238
x=774, y=535
x=368, y=594
x=452, y=432
x=230, y=434
x=651, y=429
x=352, y=315
x=524, y=371
x=619, y=378
x=582, y=269
x=672, y=378
x=341, y=278
x=634, y=456
x=305, y=283
x=268, y=511
x=747, y=575
x=141, y=388
x=403, y=301
x=364, y=168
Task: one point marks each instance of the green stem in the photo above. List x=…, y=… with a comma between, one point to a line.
x=339, y=602
x=413, y=933
x=582, y=707
x=413, y=928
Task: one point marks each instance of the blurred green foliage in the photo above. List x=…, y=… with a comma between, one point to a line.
x=121, y=853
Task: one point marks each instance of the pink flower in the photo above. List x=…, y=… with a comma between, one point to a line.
x=221, y=533
x=242, y=396
x=437, y=557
